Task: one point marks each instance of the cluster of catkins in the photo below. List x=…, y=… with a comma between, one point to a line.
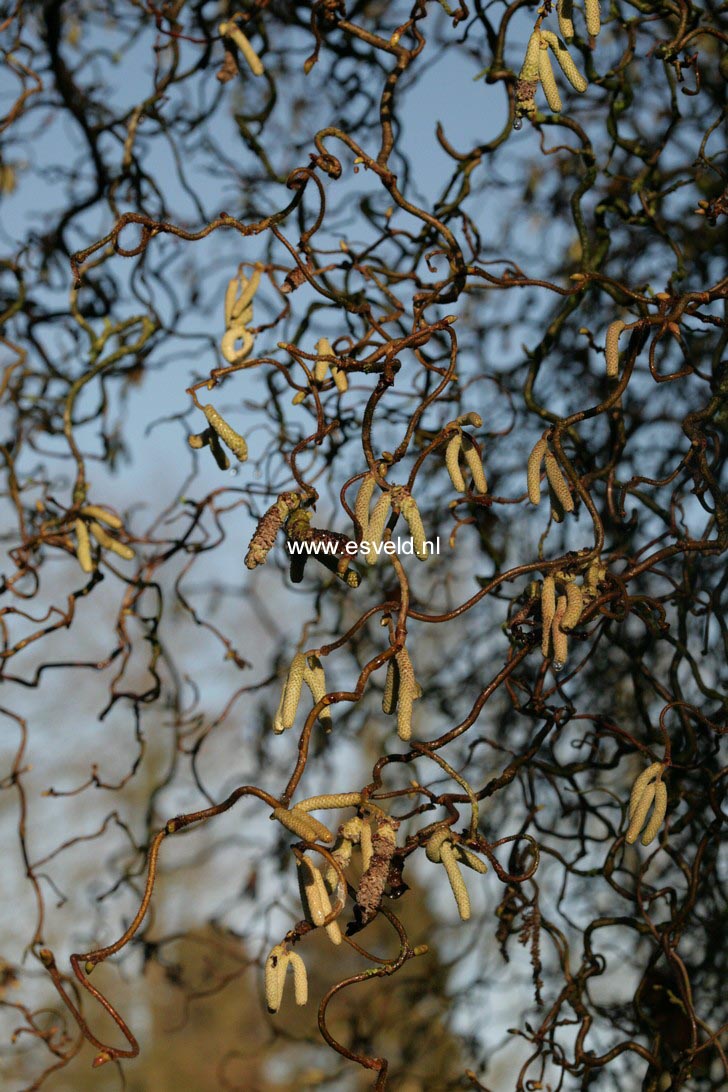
x=537, y=67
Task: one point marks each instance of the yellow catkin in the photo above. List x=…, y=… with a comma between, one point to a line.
x=558, y=637
x=292, y=690
x=321, y=368
x=363, y=501
x=457, y=883
x=330, y=800
x=574, y=606
x=365, y=845
x=303, y=825
x=640, y=813
x=391, y=687
x=230, y=339
x=452, y=462
x=475, y=465
x=435, y=844
x=565, y=10
x=466, y=857
x=110, y=543
x=566, y=61
x=275, y=976
x=94, y=512
x=533, y=473
x=529, y=69
x=548, y=610
x=593, y=17
x=548, y=80
x=230, y=30
x=340, y=380
x=377, y=523
x=641, y=784
x=411, y=513
x=658, y=814
x=611, y=350
x=314, y=897
x=315, y=680
x=227, y=434
x=472, y=420
x=409, y=692
x=83, y=546
x=300, y=978
x=558, y=482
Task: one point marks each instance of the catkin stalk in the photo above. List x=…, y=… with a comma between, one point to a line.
x=565, y=60
x=558, y=482
x=548, y=80
x=533, y=473
x=475, y=465
x=452, y=462
x=611, y=350
x=83, y=546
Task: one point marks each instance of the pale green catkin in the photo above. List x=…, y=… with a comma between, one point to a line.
x=409, y=692
x=300, y=978
x=658, y=814
x=109, y=543
x=330, y=800
x=574, y=606
x=611, y=349
x=391, y=687
x=559, y=639
x=83, y=546
x=457, y=883
x=558, y=482
x=292, y=690
x=275, y=975
x=640, y=813
x=366, y=845
x=304, y=826
x=566, y=61
x=533, y=472
x=475, y=465
x=641, y=784
x=315, y=680
x=452, y=462
x=231, y=30
x=565, y=10
x=529, y=69
x=377, y=523
x=548, y=610
x=548, y=80
x=92, y=511
x=227, y=434
x=218, y=454
x=411, y=513
x=363, y=501
x=314, y=896
x=321, y=368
